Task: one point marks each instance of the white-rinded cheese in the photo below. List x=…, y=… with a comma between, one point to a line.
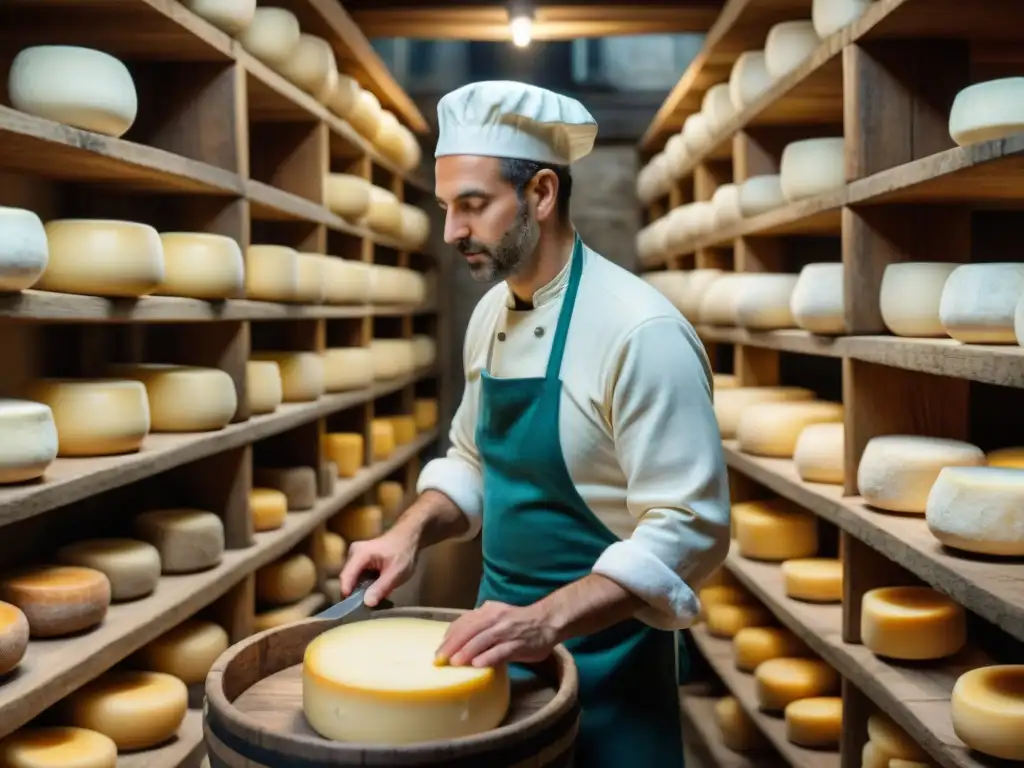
x=268, y=509
x=187, y=651
x=772, y=429
x=23, y=249
x=138, y=710
x=14, y=634
x=298, y=484
x=28, y=440
x=382, y=439
x=815, y=579
x=377, y=682
x=302, y=374
x=272, y=35
x=1006, y=457
x=201, y=266
x=388, y=138
x=910, y=297
x=726, y=619
x=271, y=273
x=359, y=523
x=726, y=201
x=697, y=285
x=346, y=450
x=987, y=111
x=392, y=358
x=719, y=303
x=829, y=16
x=103, y=258
x=424, y=350
x=332, y=548
x=263, y=386
x=232, y=16
x=412, y=152
x=815, y=722
x=731, y=404
x=717, y=106
x=811, y=167
x=57, y=747
x=415, y=229
x=312, y=66
x=978, y=509
x=912, y=623
x=391, y=500
x=788, y=45
x=775, y=530
x=785, y=680
x=749, y=79
x=987, y=708
x=347, y=368
x=760, y=194
x=183, y=398
x=188, y=540
x=132, y=567
x=424, y=412
x=738, y=731
x=696, y=133
x=58, y=600
x=347, y=281
x=365, y=114
x=891, y=740
x=897, y=472
x=978, y=302
x=80, y=87
x=343, y=97
x=817, y=301
x=384, y=213
x=347, y=195
x=95, y=417
x=763, y=301
x=287, y=580
x=754, y=645
x=310, y=286
x=820, y=454
x=676, y=154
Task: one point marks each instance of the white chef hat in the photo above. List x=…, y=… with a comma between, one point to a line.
x=503, y=118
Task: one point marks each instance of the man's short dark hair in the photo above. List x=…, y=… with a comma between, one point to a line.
x=518, y=173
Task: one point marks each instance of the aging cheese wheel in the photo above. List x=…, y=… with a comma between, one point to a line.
x=782, y=681
x=286, y=581
x=910, y=297
x=132, y=567
x=730, y=405
x=717, y=106
x=978, y=302
x=58, y=599
x=725, y=620
x=392, y=358
x=102, y=258
x=138, y=710
x=727, y=205
x=57, y=747
x=978, y=509
x=415, y=227
x=302, y=374
x=788, y=45
x=896, y=472
x=201, y=266
x=738, y=731
x=811, y=167
x=829, y=16
x=755, y=645
x=873, y=757
x=333, y=548
x=188, y=651
x=815, y=722
x=389, y=138
x=231, y=16
x=424, y=411
x=189, y=540
x=772, y=429
x=312, y=66
x=776, y=530
x=264, y=386
x=987, y=707
x=29, y=440
x=892, y=740
x=1012, y=458
x=376, y=682
x=14, y=634
x=24, y=252
x=365, y=114
x=724, y=594
x=912, y=623
x=93, y=417
x=816, y=580
x=272, y=35
x=987, y=111
x=820, y=453
x=749, y=79
x=817, y=299
x=346, y=450
x=384, y=213
x=763, y=301
x=696, y=133
x=359, y=523
x=298, y=484
x=280, y=616
x=697, y=284
x=183, y=398
x=676, y=154
x=268, y=509
x=344, y=95
x=760, y=194
x=347, y=368
x=424, y=350
x=391, y=499
x=403, y=429
x=271, y=273
x=382, y=439
x=311, y=287
x=347, y=195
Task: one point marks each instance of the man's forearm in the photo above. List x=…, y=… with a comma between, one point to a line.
x=588, y=605
x=431, y=519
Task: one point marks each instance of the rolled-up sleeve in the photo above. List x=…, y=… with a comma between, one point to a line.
x=670, y=450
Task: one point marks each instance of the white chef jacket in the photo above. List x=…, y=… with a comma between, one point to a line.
x=638, y=431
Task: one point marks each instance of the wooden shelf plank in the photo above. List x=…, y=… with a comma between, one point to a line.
x=185, y=751
x=701, y=734
x=53, y=668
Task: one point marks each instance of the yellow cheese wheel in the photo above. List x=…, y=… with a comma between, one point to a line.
x=404, y=428
x=30, y=443
x=376, y=682
x=726, y=620
x=333, y=549
x=347, y=195
x=347, y=368
x=731, y=404
x=268, y=508
x=287, y=580
x=1011, y=458
x=424, y=411
x=184, y=398
x=359, y=523
x=382, y=439
x=298, y=484
x=772, y=429
x=14, y=633
x=102, y=258
x=58, y=600
x=57, y=747
x=188, y=540
x=346, y=450
x=738, y=731
x=776, y=530
x=754, y=645
x=311, y=287
x=132, y=567
x=814, y=579
x=264, y=386
x=873, y=757
x=271, y=273
x=724, y=594
x=987, y=707
x=138, y=710
x=95, y=417
x=815, y=722
x=892, y=740
x=199, y=265
x=912, y=623
x=188, y=651
x=819, y=455
x=782, y=681
x=302, y=374
x=391, y=499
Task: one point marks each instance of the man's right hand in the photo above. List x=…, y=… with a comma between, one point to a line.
x=392, y=555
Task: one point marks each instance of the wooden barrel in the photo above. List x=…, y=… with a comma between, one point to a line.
x=253, y=714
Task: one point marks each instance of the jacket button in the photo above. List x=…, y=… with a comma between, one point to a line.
x=538, y=332
x=501, y=336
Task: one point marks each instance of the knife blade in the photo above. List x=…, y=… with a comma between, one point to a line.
x=351, y=604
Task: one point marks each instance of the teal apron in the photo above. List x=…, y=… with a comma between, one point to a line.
x=538, y=535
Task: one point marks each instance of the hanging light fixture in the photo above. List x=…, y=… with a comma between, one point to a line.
x=521, y=25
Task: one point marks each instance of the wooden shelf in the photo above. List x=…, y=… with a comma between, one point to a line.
x=701, y=734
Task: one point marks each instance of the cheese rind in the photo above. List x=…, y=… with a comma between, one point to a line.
x=58, y=600
x=312, y=66
x=359, y=523
x=311, y=286
x=730, y=405
x=873, y=757
x=183, y=398
x=333, y=549
x=102, y=258
x=752, y=646
x=817, y=301
x=760, y=194
x=912, y=623
x=738, y=731
x=133, y=567
x=424, y=412
x=820, y=453
x=272, y=35
x=1012, y=458
x=231, y=16
x=57, y=747
x=772, y=429
x=302, y=374
x=347, y=195
x=382, y=439
x=987, y=111
x=812, y=167
x=346, y=451
x=287, y=580
x=28, y=440
x=189, y=540
x=271, y=273
x=911, y=295
x=749, y=79
x=830, y=16
x=188, y=651
x=891, y=740
x=979, y=301
x=763, y=301
x=14, y=634
x=787, y=45
x=816, y=580
x=268, y=509
x=725, y=619
x=776, y=531
x=24, y=252
x=779, y=682
x=347, y=368
x=978, y=509
x=199, y=265
x=263, y=386
x=815, y=722
x=987, y=708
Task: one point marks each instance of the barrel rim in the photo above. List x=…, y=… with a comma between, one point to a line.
x=565, y=699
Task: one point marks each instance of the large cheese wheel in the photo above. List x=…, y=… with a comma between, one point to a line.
x=424, y=350
x=287, y=580
x=776, y=530
x=873, y=757
x=138, y=710
x=365, y=115
x=697, y=284
x=910, y=297
x=58, y=599
x=272, y=35
x=749, y=79
x=829, y=16
x=14, y=634
x=987, y=111
x=310, y=286
x=188, y=540
x=815, y=722
x=133, y=567
x=57, y=747
x=183, y=398
x=23, y=249
x=415, y=230
x=188, y=651
x=382, y=439
x=403, y=429
x=730, y=405
x=753, y=646
x=912, y=623
x=717, y=106
x=785, y=680
x=95, y=417
x=726, y=619
x=763, y=301
x=391, y=499
x=389, y=137
x=298, y=484
x=760, y=194
x=392, y=358
x=816, y=579
x=987, y=708
x=811, y=167
x=738, y=731
x=268, y=509
x=384, y=213
x=201, y=266
x=271, y=273
x=347, y=281
x=347, y=195
x=719, y=303
x=302, y=374
x=376, y=682
x=820, y=453
x=696, y=133
x=892, y=740
x=772, y=429
x=348, y=368
x=103, y=258
x=978, y=509
x=264, y=386
x=978, y=302
x=333, y=548
x=723, y=594
x=676, y=154
x=817, y=300
x=727, y=205
x=346, y=450
x=359, y=523
x=896, y=472
x=312, y=66
x=787, y=45
x=344, y=95
x=231, y=16
x=28, y=440
x=1012, y=458
x=424, y=411
x=80, y=87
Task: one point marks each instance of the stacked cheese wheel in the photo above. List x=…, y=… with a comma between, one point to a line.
x=281, y=586
x=889, y=746
x=379, y=210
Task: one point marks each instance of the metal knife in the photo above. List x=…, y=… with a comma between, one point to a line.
x=353, y=604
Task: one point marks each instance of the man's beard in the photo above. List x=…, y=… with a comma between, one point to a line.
x=512, y=253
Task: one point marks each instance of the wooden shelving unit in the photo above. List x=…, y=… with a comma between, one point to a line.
x=886, y=84
x=224, y=145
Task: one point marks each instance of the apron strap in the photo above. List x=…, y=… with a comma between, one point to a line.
x=565, y=315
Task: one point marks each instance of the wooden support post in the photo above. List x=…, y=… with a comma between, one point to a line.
x=856, y=709
x=865, y=569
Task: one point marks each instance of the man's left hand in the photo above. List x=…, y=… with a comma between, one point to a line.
x=496, y=633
